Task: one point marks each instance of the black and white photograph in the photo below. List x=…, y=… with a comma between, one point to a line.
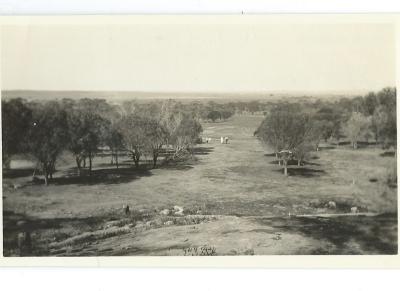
x=199, y=136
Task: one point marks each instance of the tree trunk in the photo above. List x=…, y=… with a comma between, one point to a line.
x=46, y=178
x=299, y=162
x=155, y=156
x=78, y=165
x=355, y=146
x=84, y=162
x=116, y=158
x=6, y=162
x=285, y=172
x=90, y=164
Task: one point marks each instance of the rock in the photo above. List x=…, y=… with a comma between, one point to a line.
x=169, y=222
x=149, y=223
x=178, y=210
x=165, y=212
x=354, y=209
x=199, y=212
x=332, y=205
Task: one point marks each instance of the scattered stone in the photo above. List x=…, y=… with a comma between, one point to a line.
x=332, y=205
x=178, y=210
x=354, y=209
x=165, y=212
x=169, y=222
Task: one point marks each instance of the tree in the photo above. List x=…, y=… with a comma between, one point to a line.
x=328, y=120
x=133, y=130
x=16, y=121
x=387, y=100
x=253, y=106
x=225, y=114
x=387, y=97
x=85, y=131
x=370, y=103
x=113, y=138
x=378, y=121
x=186, y=135
x=156, y=136
x=355, y=127
x=287, y=130
x=47, y=136
x=214, y=115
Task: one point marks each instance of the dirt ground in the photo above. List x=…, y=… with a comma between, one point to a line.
x=235, y=198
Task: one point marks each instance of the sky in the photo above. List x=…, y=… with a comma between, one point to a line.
x=199, y=57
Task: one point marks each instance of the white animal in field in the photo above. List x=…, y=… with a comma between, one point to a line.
x=222, y=139
x=332, y=204
x=354, y=209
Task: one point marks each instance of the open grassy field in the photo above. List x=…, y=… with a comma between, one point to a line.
x=235, y=199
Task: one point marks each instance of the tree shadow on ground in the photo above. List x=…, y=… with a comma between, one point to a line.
x=387, y=154
x=270, y=155
x=314, y=158
x=203, y=150
x=375, y=235
x=305, y=172
x=103, y=176
x=17, y=173
x=302, y=172
x=311, y=163
x=325, y=148
x=15, y=223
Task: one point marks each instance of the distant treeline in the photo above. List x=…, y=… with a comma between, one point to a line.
x=45, y=129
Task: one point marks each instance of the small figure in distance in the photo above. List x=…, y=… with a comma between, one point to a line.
x=126, y=209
